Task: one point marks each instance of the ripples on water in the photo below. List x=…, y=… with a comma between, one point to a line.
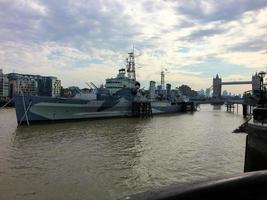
x=108, y=159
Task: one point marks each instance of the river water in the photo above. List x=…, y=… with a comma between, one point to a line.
x=112, y=158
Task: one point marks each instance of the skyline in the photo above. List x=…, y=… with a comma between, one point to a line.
x=89, y=40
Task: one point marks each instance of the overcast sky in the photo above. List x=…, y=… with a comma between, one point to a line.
x=87, y=40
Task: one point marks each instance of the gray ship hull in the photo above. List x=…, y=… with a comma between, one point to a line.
x=161, y=107
x=32, y=108
x=35, y=108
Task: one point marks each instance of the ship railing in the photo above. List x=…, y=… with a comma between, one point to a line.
x=251, y=185
x=8, y=102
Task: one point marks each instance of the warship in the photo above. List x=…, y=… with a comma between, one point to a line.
x=114, y=99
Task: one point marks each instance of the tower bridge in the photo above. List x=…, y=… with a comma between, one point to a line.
x=251, y=96
x=218, y=83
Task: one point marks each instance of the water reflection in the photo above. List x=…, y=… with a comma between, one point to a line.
x=94, y=148
x=108, y=159
x=217, y=107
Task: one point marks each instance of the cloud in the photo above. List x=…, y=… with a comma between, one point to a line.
x=89, y=39
x=212, y=10
x=204, y=33
x=249, y=46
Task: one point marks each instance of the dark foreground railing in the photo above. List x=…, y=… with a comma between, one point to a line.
x=252, y=185
x=260, y=114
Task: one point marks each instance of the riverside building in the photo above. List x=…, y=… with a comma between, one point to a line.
x=34, y=85
x=3, y=85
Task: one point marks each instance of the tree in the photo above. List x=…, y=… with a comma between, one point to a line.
x=187, y=91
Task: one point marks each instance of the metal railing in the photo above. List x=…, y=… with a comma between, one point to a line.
x=250, y=186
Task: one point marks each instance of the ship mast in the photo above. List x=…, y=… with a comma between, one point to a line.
x=130, y=66
x=162, y=79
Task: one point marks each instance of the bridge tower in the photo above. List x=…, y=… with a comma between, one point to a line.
x=256, y=84
x=217, y=87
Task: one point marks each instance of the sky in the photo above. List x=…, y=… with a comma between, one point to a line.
x=88, y=40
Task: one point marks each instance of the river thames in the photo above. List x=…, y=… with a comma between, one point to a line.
x=112, y=158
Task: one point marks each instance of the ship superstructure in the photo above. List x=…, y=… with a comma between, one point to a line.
x=115, y=98
x=163, y=98
x=123, y=79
